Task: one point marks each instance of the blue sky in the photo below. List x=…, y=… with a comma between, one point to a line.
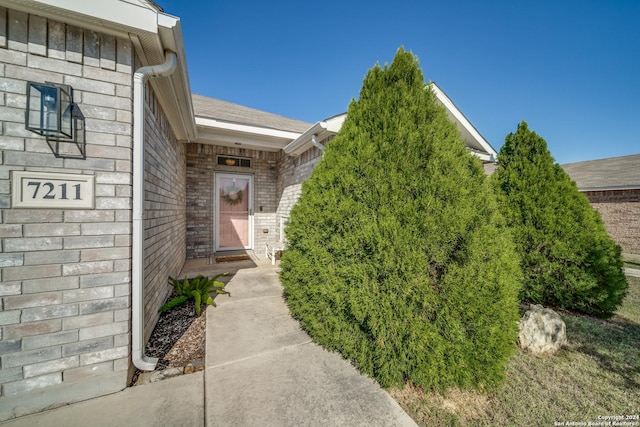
x=570, y=68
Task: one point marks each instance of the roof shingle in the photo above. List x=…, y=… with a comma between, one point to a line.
x=211, y=108
x=611, y=173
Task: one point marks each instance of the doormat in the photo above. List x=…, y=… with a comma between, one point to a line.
x=232, y=258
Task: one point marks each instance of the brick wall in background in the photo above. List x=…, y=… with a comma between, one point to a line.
x=201, y=168
x=620, y=211
x=292, y=172
x=65, y=274
x=165, y=214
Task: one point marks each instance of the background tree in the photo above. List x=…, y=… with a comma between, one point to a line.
x=398, y=256
x=568, y=259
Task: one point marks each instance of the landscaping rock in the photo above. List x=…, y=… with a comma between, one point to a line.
x=542, y=330
x=155, y=376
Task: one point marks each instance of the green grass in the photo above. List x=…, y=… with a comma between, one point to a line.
x=596, y=374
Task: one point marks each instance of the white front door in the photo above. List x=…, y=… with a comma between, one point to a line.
x=234, y=211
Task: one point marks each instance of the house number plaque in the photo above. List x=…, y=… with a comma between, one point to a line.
x=52, y=190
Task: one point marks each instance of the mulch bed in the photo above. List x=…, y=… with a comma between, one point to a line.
x=178, y=337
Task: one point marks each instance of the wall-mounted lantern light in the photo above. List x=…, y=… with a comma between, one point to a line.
x=52, y=113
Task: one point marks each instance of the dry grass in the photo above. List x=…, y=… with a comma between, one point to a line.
x=434, y=409
x=597, y=374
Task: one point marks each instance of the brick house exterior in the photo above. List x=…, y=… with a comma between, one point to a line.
x=80, y=288
x=66, y=273
x=613, y=187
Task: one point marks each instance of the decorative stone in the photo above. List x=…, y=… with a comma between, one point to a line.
x=155, y=376
x=542, y=330
x=194, y=366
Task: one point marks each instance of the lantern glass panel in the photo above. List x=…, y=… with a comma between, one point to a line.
x=35, y=110
x=66, y=122
x=49, y=110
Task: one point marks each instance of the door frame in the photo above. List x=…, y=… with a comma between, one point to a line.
x=216, y=223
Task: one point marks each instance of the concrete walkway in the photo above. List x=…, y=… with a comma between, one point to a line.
x=261, y=370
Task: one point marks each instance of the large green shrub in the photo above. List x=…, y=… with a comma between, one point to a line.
x=568, y=259
x=398, y=256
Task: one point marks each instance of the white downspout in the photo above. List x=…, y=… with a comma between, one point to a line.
x=140, y=77
x=314, y=141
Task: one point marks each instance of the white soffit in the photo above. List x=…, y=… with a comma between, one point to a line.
x=217, y=132
x=322, y=130
x=93, y=14
x=176, y=94
x=476, y=142
x=237, y=127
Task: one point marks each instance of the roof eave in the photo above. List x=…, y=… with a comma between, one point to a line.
x=222, y=133
x=175, y=90
x=151, y=32
x=486, y=158
x=462, y=122
x=303, y=142
x=107, y=17
x=321, y=129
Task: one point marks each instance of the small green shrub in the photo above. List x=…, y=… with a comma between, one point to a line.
x=397, y=255
x=568, y=259
x=197, y=288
